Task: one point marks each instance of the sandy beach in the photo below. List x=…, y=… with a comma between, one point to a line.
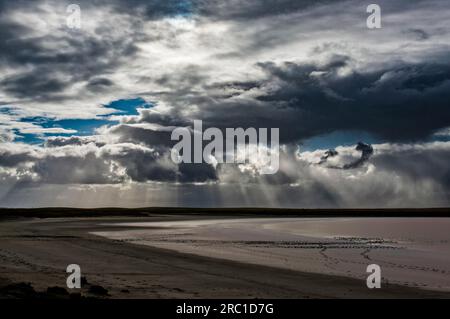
x=411, y=252
x=191, y=256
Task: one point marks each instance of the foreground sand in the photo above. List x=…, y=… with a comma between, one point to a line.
x=37, y=251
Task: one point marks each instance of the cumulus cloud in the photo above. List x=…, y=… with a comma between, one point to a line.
x=399, y=174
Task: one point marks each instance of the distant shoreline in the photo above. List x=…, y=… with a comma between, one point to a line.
x=65, y=212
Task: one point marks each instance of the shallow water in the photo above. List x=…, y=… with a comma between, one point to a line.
x=411, y=251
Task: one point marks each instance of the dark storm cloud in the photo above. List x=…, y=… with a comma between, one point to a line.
x=327, y=155
x=87, y=169
x=87, y=58
x=141, y=168
x=358, y=101
x=99, y=84
x=76, y=55
x=172, y=119
x=14, y=159
x=58, y=141
x=196, y=173
x=305, y=100
x=426, y=77
x=142, y=165
x=418, y=34
x=13, y=49
x=33, y=84
x=138, y=135
x=366, y=152
x=253, y=9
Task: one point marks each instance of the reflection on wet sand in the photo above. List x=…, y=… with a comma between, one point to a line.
x=411, y=252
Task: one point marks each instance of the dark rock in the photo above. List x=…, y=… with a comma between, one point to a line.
x=20, y=290
x=98, y=290
x=84, y=281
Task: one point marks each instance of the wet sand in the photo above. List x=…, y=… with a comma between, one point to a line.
x=37, y=251
x=411, y=251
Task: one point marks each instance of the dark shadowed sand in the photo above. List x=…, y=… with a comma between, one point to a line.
x=34, y=254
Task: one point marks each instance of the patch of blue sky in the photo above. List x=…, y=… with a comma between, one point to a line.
x=128, y=106
x=350, y=138
x=441, y=136
x=338, y=138
x=8, y=110
x=183, y=8
x=83, y=127
x=33, y=139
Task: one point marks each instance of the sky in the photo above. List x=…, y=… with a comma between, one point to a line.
x=86, y=113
